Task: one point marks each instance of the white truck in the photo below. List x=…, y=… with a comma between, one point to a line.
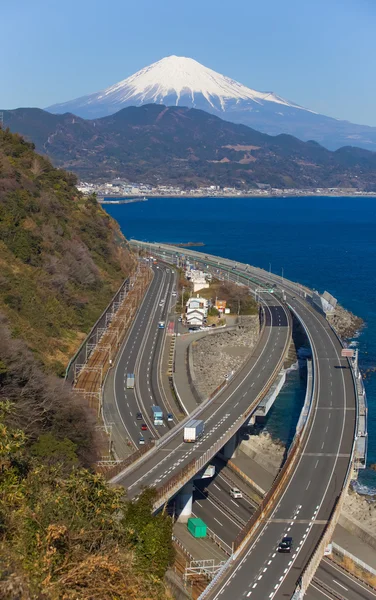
x=130, y=381
x=193, y=430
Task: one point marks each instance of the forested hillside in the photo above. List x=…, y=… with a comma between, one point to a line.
x=64, y=533
x=176, y=145
x=61, y=256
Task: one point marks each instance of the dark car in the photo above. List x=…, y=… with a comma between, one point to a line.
x=144, y=427
x=285, y=545
x=139, y=417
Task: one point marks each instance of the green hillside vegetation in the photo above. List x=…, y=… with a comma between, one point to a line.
x=188, y=147
x=61, y=256
x=64, y=533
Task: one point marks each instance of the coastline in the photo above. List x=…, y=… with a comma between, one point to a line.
x=300, y=194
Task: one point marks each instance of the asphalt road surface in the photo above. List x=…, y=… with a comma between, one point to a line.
x=220, y=415
x=142, y=348
x=260, y=572
x=333, y=582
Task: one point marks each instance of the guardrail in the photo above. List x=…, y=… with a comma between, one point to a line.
x=268, y=501
x=342, y=552
x=160, y=442
x=216, y=578
x=132, y=459
x=177, y=481
x=318, y=553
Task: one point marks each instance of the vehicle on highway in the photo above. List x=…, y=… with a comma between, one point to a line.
x=144, y=427
x=157, y=414
x=235, y=493
x=285, y=545
x=161, y=325
x=194, y=430
x=174, y=294
x=170, y=417
x=139, y=416
x=130, y=381
x=141, y=441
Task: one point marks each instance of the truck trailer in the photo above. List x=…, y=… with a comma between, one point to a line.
x=130, y=381
x=157, y=414
x=193, y=430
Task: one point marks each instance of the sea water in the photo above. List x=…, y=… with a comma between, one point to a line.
x=325, y=243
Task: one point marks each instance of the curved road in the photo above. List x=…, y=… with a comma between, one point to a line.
x=260, y=572
x=227, y=409
x=141, y=347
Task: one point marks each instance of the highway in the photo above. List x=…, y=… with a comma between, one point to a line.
x=224, y=515
x=224, y=412
x=305, y=506
x=140, y=350
x=333, y=582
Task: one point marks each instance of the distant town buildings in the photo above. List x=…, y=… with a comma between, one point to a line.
x=120, y=188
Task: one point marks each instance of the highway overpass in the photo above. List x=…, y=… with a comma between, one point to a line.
x=306, y=503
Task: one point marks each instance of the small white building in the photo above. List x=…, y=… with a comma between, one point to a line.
x=199, y=279
x=196, y=311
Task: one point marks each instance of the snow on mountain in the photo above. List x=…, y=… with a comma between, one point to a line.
x=182, y=76
x=183, y=81
x=172, y=80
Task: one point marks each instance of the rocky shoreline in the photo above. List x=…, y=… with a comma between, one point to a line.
x=344, y=322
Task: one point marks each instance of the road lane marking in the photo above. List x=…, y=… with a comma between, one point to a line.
x=340, y=584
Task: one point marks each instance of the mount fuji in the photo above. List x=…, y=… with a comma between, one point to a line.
x=180, y=81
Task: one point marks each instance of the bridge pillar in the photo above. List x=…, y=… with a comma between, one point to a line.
x=229, y=449
x=184, y=502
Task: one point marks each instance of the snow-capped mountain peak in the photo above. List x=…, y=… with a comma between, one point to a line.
x=174, y=80
x=181, y=76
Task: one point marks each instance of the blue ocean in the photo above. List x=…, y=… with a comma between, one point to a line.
x=325, y=243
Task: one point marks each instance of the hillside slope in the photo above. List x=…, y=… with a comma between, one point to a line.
x=64, y=532
x=156, y=144
x=61, y=256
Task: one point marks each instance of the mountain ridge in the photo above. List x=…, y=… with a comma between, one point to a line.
x=182, y=81
x=155, y=143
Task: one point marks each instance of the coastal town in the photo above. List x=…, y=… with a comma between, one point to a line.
x=118, y=188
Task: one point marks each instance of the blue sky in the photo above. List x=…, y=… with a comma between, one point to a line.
x=320, y=54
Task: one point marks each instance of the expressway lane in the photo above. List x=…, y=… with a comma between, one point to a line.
x=126, y=402
x=220, y=415
x=333, y=582
x=260, y=572
x=224, y=515
x=309, y=496
x=148, y=390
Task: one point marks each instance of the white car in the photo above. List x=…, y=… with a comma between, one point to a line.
x=174, y=294
x=235, y=493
